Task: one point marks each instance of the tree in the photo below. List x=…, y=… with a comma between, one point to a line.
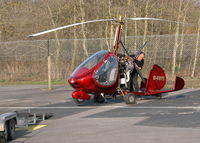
x=196, y=50
x=83, y=27
x=176, y=38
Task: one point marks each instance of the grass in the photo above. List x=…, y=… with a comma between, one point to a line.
x=55, y=82
x=189, y=82
x=192, y=82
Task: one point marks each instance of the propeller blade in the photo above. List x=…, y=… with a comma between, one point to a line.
x=155, y=19
x=67, y=26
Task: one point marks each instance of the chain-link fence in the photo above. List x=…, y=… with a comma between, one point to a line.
x=27, y=60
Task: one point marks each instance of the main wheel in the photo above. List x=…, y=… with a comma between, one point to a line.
x=11, y=129
x=99, y=99
x=79, y=101
x=159, y=96
x=130, y=98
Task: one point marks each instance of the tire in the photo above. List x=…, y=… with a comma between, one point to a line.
x=79, y=101
x=99, y=99
x=2, y=139
x=130, y=98
x=4, y=135
x=11, y=129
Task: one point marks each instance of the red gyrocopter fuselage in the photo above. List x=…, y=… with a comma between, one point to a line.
x=99, y=75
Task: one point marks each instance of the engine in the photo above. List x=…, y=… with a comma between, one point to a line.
x=124, y=70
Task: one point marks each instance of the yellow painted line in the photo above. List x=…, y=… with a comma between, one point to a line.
x=31, y=128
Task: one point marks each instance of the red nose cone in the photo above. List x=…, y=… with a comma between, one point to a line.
x=72, y=80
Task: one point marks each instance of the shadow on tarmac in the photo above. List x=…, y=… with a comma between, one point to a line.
x=162, y=117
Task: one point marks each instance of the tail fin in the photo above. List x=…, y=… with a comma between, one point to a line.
x=157, y=79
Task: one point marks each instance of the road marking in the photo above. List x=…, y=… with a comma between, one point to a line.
x=113, y=106
x=31, y=128
x=9, y=100
x=185, y=113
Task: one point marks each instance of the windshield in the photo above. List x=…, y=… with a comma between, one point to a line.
x=90, y=62
x=107, y=73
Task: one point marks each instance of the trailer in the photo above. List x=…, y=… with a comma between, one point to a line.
x=7, y=126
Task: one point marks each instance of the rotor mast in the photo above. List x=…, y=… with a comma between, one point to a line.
x=118, y=34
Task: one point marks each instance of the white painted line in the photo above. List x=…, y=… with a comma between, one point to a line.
x=185, y=113
x=93, y=107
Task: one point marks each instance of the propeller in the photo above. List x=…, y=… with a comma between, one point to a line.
x=120, y=20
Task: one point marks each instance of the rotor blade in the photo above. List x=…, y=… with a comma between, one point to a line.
x=155, y=19
x=59, y=28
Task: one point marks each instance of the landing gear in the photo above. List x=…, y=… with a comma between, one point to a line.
x=159, y=96
x=99, y=99
x=130, y=98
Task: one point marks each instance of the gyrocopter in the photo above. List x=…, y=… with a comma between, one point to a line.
x=106, y=72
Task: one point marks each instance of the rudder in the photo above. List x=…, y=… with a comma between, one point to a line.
x=157, y=78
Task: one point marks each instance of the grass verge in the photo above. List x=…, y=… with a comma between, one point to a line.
x=55, y=82
x=189, y=83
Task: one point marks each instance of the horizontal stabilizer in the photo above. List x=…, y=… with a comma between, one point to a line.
x=179, y=83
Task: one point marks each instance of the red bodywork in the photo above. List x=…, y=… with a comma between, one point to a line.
x=157, y=81
x=83, y=80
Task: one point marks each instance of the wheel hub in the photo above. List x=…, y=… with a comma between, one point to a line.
x=131, y=99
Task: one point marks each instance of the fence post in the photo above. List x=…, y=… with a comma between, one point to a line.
x=49, y=67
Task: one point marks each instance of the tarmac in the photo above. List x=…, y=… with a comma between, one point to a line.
x=175, y=118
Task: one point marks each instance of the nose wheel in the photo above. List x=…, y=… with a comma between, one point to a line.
x=99, y=99
x=79, y=101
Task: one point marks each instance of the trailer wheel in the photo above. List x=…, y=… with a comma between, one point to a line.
x=79, y=101
x=4, y=135
x=130, y=98
x=11, y=129
x=2, y=138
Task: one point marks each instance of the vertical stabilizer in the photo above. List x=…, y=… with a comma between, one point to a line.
x=157, y=79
